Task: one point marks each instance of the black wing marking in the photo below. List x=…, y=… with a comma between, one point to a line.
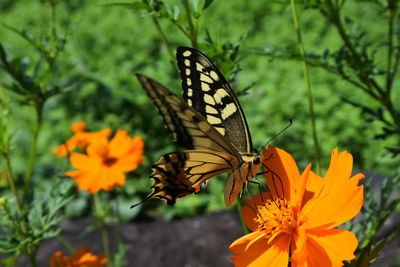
x=185, y=122
x=206, y=90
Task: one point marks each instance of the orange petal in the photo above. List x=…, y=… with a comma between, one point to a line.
x=329, y=246
x=249, y=214
x=120, y=144
x=313, y=185
x=78, y=126
x=238, y=246
x=130, y=161
x=262, y=253
x=64, y=149
x=82, y=161
x=112, y=177
x=283, y=178
x=339, y=199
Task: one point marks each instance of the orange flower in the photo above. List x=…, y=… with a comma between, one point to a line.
x=297, y=218
x=105, y=163
x=81, y=139
x=82, y=257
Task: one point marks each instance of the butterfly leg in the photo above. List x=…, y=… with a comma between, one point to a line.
x=276, y=180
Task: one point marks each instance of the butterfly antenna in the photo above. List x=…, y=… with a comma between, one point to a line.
x=279, y=133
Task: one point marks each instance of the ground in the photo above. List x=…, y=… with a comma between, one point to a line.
x=199, y=241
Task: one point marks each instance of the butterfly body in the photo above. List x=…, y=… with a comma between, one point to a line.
x=209, y=123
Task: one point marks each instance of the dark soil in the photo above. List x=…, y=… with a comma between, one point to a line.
x=198, y=241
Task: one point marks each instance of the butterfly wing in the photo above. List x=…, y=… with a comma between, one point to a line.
x=185, y=122
x=206, y=90
x=181, y=173
x=158, y=94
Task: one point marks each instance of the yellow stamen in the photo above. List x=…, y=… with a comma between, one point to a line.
x=275, y=217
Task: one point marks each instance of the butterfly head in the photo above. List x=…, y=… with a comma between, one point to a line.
x=252, y=164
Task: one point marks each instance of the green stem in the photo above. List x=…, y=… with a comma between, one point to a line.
x=334, y=17
x=99, y=214
x=118, y=226
x=308, y=84
x=389, y=80
x=239, y=210
x=32, y=259
x=66, y=243
x=193, y=32
x=32, y=153
x=163, y=36
x=164, y=39
x=10, y=181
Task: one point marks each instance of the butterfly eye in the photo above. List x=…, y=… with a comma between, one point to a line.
x=256, y=160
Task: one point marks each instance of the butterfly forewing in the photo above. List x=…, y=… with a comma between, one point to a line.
x=206, y=90
x=159, y=95
x=183, y=121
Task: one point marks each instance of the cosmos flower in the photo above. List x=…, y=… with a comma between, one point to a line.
x=82, y=257
x=80, y=139
x=296, y=220
x=105, y=163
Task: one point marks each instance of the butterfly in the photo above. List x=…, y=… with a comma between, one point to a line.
x=209, y=123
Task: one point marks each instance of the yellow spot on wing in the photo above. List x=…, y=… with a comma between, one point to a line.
x=211, y=110
x=186, y=62
x=205, y=78
x=219, y=94
x=199, y=67
x=186, y=53
x=213, y=120
x=205, y=87
x=188, y=81
x=209, y=99
x=190, y=92
x=220, y=130
x=228, y=110
x=214, y=75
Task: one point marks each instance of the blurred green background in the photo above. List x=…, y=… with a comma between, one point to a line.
x=106, y=45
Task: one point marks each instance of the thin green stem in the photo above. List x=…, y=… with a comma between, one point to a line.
x=118, y=226
x=162, y=35
x=32, y=153
x=239, y=210
x=389, y=70
x=66, y=243
x=99, y=214
x=32, y=259
x=10, y=181
x=193, y=32
x=164, y=39
x=334, y=17
x=308, y=84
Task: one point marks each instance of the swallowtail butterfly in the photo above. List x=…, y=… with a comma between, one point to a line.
x=209, y=123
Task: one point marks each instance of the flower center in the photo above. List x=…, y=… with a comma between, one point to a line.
x=275, y=217
x=109, y=161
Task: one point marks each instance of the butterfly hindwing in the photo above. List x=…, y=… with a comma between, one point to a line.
x=181, y=173
x=206, y=90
